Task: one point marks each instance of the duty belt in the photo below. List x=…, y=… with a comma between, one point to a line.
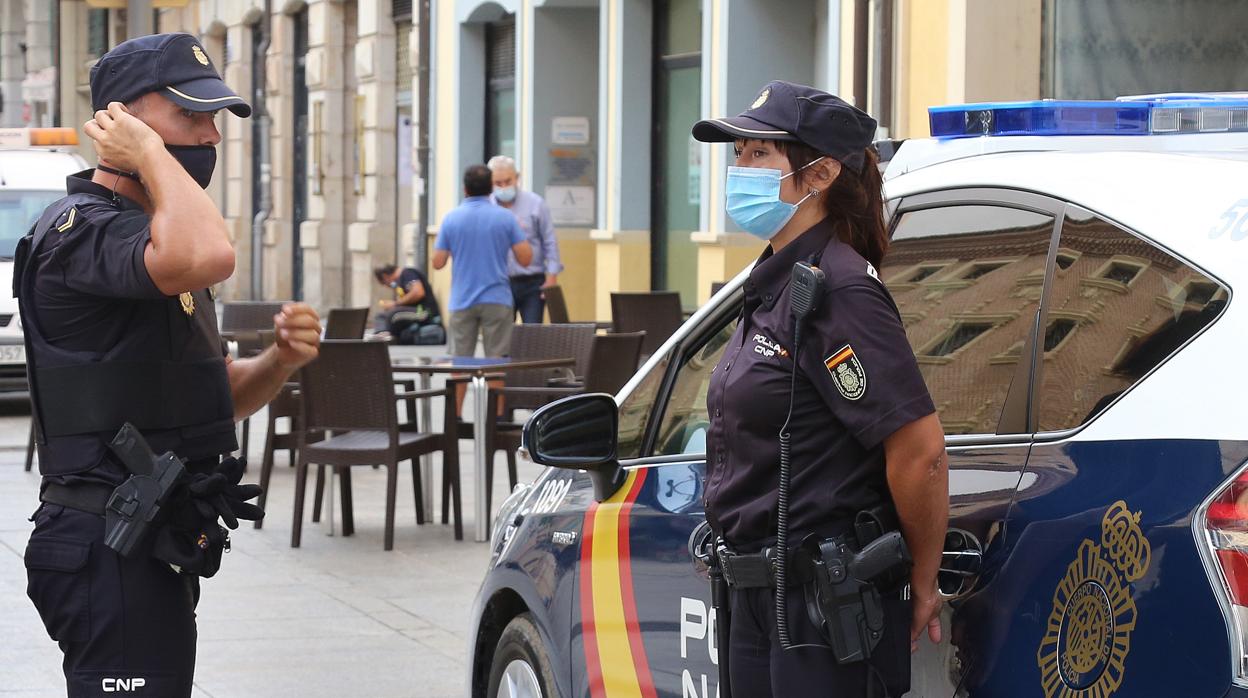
x=89, y=497
x=756, y=570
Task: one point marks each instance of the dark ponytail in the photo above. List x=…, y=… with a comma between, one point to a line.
x=855, y=201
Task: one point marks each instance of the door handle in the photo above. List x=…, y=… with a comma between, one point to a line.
x=960, y=563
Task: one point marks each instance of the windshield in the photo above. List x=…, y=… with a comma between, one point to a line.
x=18, y=211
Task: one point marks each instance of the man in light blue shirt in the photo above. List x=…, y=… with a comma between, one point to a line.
x=479, y=235
x=527, y=280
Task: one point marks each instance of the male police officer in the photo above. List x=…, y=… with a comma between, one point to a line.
x=113, y=286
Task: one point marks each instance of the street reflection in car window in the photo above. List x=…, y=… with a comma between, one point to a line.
x=967, y=281
x=1116, y=311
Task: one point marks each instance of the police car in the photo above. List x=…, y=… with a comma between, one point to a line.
x=34, y=163
x=1066, y=274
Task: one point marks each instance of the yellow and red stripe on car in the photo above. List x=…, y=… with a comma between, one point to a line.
x=615, y=657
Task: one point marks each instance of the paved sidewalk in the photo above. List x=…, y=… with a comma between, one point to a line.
x=336, y=617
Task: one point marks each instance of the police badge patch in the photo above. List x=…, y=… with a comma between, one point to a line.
x=847, y=374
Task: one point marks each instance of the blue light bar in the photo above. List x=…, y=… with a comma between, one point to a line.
x=1127, y=116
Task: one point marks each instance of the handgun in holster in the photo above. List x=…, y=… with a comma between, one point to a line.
x=135, y=504
x=843, y=600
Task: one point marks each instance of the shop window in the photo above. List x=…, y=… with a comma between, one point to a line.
x=1106, y=333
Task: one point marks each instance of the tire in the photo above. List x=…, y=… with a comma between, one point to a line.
x=521, y=667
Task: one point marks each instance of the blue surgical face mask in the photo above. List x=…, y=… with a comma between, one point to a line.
x=753, y=199
x=505, y=194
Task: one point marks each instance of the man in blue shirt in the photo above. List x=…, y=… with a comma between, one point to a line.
x=533, y=215
x=478, y=235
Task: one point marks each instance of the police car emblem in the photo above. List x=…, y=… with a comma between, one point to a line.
x=188, y=302
x=847, y=373
x=200, y=55
x=1088, y=634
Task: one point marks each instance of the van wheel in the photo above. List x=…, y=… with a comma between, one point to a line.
x=520, y=668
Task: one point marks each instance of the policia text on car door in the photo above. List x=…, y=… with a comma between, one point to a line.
x=845, y=417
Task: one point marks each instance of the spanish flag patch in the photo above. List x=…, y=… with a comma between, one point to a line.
x=847, y=373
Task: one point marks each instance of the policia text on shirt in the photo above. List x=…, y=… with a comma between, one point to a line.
x=113, y=285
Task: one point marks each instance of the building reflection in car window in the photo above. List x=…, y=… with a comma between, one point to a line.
x=968, y=321
x=1125, y=305
x=636, y=409
x=685, y=419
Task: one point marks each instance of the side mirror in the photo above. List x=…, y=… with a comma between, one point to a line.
x=578, y=432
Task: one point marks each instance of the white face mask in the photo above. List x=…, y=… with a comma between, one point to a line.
x=505, y=194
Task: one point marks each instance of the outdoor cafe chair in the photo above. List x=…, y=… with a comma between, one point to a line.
x=613, y=360
x=554, y=341
x=349, y=391
x=657, y=313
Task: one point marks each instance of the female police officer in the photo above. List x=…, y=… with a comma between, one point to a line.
x=862, y=427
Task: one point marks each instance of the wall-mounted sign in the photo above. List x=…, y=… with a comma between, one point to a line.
x=570, y=205
x=569, y=130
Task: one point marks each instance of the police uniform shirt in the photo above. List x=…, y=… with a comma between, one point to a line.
x=91, y=285
x=857, y=383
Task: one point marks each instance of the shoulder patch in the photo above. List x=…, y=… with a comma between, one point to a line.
x=847, y=373
x=871, y=272
x=67, y=220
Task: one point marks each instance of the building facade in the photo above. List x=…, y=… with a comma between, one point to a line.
x=368, y=111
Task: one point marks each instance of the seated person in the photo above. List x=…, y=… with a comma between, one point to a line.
x=413, y=316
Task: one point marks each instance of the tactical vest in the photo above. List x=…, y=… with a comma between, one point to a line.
x=166, y=374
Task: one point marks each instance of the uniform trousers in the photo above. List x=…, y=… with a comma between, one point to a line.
x=759, y=668
x=125, y=625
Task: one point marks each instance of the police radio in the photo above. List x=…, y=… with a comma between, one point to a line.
x=843, y=599
x=806, y=290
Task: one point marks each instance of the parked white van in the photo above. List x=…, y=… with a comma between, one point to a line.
x=34, y=163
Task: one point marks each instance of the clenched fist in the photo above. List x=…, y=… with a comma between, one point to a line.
x=297, y=330
x=121, y=139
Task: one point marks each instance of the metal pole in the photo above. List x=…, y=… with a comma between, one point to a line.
x=138, y=18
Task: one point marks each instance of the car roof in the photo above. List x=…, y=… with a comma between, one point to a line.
x=1177, y=199
x=37, y=168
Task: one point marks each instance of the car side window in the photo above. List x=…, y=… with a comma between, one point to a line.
x=685, y=416
x=636, y=409
x=967, y=280
x=1119, y=306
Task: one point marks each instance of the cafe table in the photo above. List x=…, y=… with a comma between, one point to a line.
x=477, y=369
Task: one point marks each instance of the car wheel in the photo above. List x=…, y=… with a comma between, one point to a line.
x=520, y=668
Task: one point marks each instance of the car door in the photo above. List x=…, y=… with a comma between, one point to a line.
x=644, y=607
x=1099, y=575
x=966, y=269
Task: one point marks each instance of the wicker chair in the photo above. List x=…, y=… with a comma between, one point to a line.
x=569, y=340
x=657, y=313
x=556, y=306
x=349, y=391
x=245, y=322
x=613, y=360
x=346, y=323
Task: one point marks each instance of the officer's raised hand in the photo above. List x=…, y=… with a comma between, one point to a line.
x=122, y=140
x=298, y=332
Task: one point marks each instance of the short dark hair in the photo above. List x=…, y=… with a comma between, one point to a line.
x=381, y=272
x=478, y=181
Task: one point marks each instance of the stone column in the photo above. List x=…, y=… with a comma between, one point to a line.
x=321, y=235
x=372, y=237
x=12, y=34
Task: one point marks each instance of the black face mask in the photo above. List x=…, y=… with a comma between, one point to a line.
x=198, y=160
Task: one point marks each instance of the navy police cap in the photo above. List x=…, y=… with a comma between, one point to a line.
x=785, y=111
x=174, y=65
